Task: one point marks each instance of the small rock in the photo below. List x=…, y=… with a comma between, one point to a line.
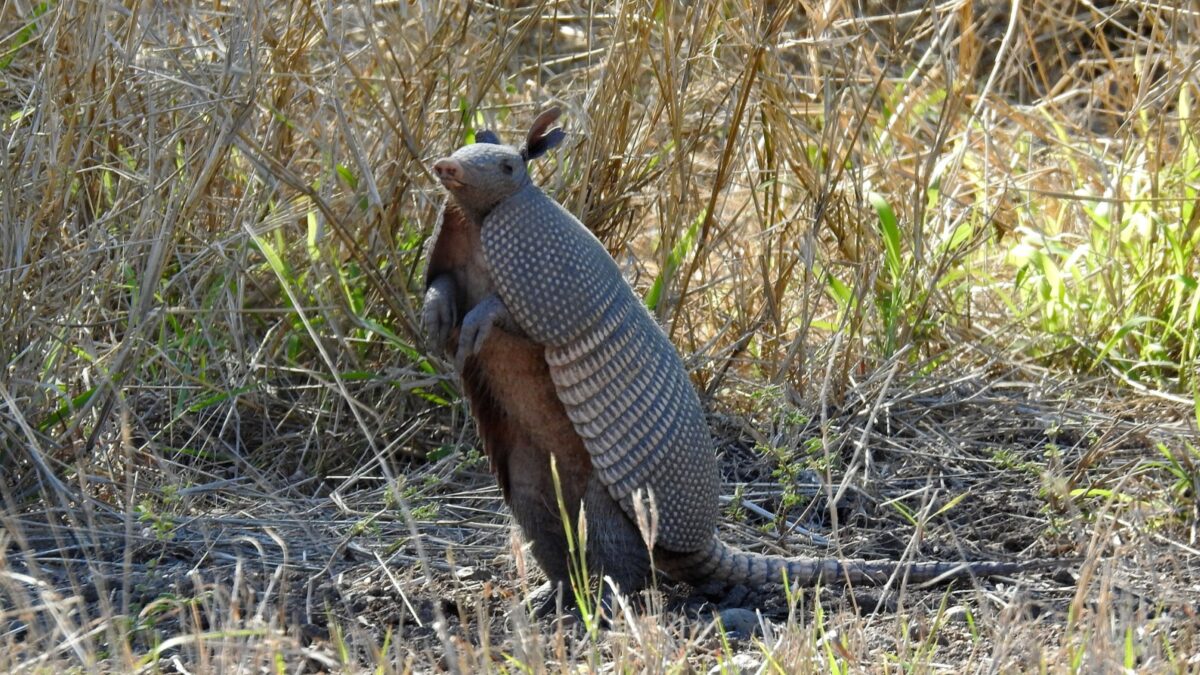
x=956, y=614
x=745, y=664
x=739, y=624
x=871, y=601
x=471, y=574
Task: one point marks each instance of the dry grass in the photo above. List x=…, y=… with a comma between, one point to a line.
x=933, y=265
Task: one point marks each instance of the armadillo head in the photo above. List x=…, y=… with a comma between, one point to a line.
x=482, y=175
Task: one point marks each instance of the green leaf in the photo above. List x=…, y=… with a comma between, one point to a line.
x=678, y=252
x=839, y=290
x=890, y=229
x=209, y=401
x=314, y=229
x=347, y=175
x=1124, y=330
x=951, y=504
x=274, y=259
x=23, y=36
x=65, y=409
x=1130, y=651
x=471, y=122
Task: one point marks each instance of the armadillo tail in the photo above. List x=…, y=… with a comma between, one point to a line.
x=722, y=566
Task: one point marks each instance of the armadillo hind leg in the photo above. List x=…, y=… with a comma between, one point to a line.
x=535, y=509
x=615, y=548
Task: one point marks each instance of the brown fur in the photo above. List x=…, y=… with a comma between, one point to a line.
x=454, y=249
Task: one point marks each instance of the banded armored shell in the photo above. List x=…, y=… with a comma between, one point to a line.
x=617, y=374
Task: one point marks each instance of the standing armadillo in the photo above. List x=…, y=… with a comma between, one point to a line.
x=559, y=357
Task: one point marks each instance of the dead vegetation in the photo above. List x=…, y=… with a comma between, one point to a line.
x=933, y=266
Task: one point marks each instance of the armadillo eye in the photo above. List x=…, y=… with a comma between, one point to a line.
x=506, y=168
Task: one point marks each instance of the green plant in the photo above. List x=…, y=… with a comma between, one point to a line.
x=586, y=594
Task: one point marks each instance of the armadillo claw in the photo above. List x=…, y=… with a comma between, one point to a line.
x=438, y=314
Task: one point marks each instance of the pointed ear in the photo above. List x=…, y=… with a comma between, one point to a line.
x=541, y=137
x=487, y=136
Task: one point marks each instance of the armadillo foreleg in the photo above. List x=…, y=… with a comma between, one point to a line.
x=440, y=312
x=478, y=324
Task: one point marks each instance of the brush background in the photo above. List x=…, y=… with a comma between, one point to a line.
x=933, y=267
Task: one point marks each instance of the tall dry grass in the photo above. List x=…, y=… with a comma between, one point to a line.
x=213, y=215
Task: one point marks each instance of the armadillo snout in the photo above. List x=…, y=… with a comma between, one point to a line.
x=449, y=171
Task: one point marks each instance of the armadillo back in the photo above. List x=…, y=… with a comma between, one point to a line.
x=619, y=377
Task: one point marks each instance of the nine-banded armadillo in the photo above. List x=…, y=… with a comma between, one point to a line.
x=559, y=357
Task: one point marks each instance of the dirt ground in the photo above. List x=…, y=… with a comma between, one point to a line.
x=337, y=569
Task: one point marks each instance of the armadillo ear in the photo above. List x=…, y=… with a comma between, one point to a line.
x=487, y=136
x=541, y=138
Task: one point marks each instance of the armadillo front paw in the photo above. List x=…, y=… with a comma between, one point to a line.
x=477, y=325
x=439, y=313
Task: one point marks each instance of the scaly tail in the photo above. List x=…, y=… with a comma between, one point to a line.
x=721, y=566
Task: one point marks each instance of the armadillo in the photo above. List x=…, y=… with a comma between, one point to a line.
x=559, y=357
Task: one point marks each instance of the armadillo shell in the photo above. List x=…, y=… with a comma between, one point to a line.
x=617, y=374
